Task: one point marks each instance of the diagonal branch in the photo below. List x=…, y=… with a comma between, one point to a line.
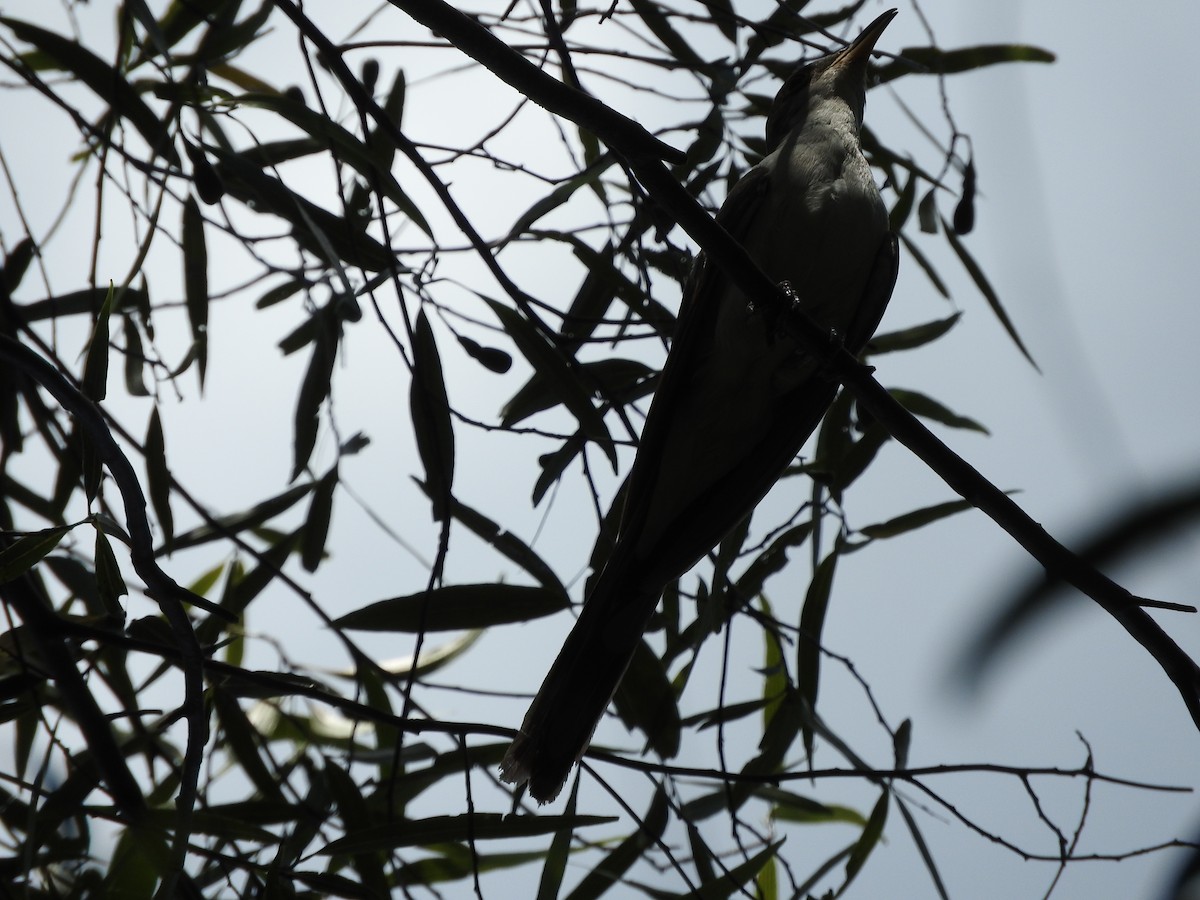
x=644, y=154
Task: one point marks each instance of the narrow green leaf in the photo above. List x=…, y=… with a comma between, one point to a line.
x=442, y=829
x=555, y=865
x=925, y=266
x=158, y=478
x=911, y=338
x=612, y=868
x=506, y=544
x=657, y=21
x=812, y=623
x=904, y=204
x=345, y=145
x=645, y=699
x=986, y=289
x=936, y=61
x=455, y=607
x=490, y=358
x=927, y=212
x=925, y=406
x=316, y=524
x=739, y=876
x=432, y=426
x=869, y=838
x=546, y=360
x=315, y=387
x=109, y=581
x=918, y=518
x=95, y=367
x=195, y=281
x=108, y=83
x=28, y=550
x=16, y=264
x=135, y=359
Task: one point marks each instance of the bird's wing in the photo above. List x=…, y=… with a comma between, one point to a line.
x=693, y=341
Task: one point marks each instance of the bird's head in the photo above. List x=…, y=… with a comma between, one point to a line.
x=842, y=74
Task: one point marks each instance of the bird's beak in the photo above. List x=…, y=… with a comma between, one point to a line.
x=858, y=51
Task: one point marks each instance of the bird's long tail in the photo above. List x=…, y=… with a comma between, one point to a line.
x=571, y=700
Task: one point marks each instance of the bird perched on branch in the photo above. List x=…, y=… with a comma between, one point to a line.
x=737, y=398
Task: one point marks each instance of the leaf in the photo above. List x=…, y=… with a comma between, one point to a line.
x=936, y=61
x=442, y=829
x=158, y=477
x=911, y=338
x=652, y=15
x=869, y=838
x=928, y=408
x=316, y=525
x=808, y=645
x=490, y=358
x=110, y=584
x=103, y=79
x=135, y=359
x=430, y=409
x=985, y=288
x=195, y=281
x=346, y=147
x=237, y=523
x=645, y=699
x=507, y=544
x=28, y=550
x=456, y=607
x=612, y=868
x=550, y=363
x=925, y=266
x=927, y=214
x=95, y=367
x=904, y=204
x=735, y=879
x=315, y=387
x=622, y=379
x=317, y=230
x=918, y=518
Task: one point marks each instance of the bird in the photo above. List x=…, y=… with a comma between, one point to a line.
x=737, y=397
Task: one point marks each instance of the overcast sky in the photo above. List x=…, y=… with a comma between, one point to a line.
x=1087, y=226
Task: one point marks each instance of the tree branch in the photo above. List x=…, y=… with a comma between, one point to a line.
x=644, y=154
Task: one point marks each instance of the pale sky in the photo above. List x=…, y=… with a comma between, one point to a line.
x=1086, y=225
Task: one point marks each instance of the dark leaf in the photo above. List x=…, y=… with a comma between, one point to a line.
x=808, y=645
x=315, y=387
x=316, y=525
x=103, y=79
x=442, y=829
x=964, y=212
x=195, y=281
x=110, y=584
x=238, y=523
x=645, y=699
x=989, y=294
x=28, y=550
x=430, y=407
x=490, y=358
x=460, y=606
x=916, y=519
x=95, y=367
x=869, y=838
x=158, y=478
x=549, y=362
x=936, y=61
x=611, y=870
x=911, y=338
x=922, y=405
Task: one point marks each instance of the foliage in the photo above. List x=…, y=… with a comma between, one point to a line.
x=428, y=226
